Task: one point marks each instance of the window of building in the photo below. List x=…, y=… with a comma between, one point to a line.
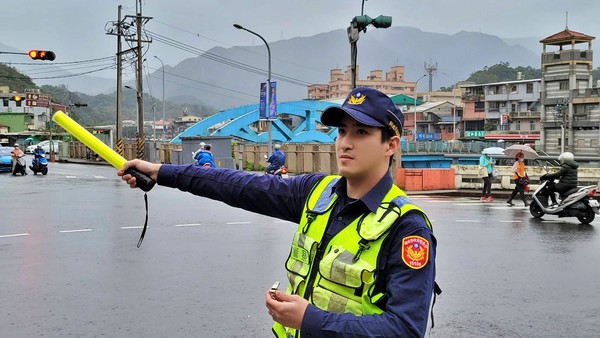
x=517, y=124
x=529, y=88
x=580, y=143
x=5, y=102
x=513, y=88
x=594, y=143
x=479, y=107
x=532, y=125
x=563, y=85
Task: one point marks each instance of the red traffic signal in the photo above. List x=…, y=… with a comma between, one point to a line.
x=42, y=55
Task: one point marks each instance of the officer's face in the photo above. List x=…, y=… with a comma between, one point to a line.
x=360, y=151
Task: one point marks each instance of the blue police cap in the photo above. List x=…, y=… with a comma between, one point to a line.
x=369, y=107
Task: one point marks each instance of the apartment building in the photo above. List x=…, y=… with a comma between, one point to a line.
x=340, y=83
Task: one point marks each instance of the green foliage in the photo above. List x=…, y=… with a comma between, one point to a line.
x=503, y=72
x=101, y=109
x=14, y=79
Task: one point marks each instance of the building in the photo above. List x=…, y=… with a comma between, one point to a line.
x=570, y=109
x=340, y=83
x=506, y=111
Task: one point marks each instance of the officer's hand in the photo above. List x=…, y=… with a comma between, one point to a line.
x=287, y=310
x=544, y=177
x=150, y=169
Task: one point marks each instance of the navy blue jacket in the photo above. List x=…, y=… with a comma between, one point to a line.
x=277, y=159
x=409, y=290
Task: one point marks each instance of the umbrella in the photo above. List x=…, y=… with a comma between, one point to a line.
x=493, y=151
x=527, y=151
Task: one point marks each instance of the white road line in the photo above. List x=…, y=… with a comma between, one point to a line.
x=468, y=220
x=99, y=177
x=14, y=235
x=233, y=223
x=510, y=221
x=75, y=230
x=282, y=221
x=70, y=176
x=188, y=225
x=133, y=227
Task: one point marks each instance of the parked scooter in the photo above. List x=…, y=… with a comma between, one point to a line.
x=39, y=164
x=578, y=202
x=20, y=165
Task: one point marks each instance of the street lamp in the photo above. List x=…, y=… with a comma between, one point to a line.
x=153, y=114
x=163, y=96
x=270, y=149
x=415, y=126
x=453, y=105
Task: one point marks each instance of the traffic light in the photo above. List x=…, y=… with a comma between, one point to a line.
x=382, y=21
x=42, y=55
x=362, y=21
x=16, y=98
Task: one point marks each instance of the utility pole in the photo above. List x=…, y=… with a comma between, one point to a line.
x=140, y=98
x=120, y=148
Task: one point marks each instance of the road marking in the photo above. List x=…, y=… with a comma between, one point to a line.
x=188, y=225
x=75, y=230
x=99, y=177
x=233, y=223
x=133, y=227
x=14, y=235
x=510, y=221
x=468, y=220
x=70, y=176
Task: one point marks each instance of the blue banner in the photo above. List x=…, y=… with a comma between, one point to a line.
x=262, y=107
x=273, y=104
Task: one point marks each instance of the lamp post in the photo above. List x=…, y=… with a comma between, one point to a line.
x=269, y=145
x=163, y=97
x=415, y=126
x=153, y=114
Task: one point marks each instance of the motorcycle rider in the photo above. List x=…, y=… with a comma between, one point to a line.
x=15, y=153
x=205, y=156
x=37, y=154
x=276, y=160
x=567, y=175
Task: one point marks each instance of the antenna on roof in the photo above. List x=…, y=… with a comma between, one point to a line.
x=567, y=20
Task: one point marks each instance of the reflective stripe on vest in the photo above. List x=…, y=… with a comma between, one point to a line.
x=346, y=274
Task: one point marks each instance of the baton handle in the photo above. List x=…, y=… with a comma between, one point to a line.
x=142, y=181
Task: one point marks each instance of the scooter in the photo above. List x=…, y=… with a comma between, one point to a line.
x=282, y=171
x=39, y=164
x=578, y=202
x=20, y=165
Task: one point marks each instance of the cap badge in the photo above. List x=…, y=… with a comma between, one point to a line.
x=356, y=99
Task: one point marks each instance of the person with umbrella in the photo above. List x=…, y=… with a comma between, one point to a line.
x=518, y=169
x=486, y=167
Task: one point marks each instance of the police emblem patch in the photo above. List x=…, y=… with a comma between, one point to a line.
x=415, y=251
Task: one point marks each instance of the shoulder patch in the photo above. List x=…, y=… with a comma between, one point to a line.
x=415, y=251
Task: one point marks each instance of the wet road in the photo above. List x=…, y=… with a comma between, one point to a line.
x=69, y=265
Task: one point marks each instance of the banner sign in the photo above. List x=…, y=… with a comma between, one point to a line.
x=262, y=107
x=273, y=104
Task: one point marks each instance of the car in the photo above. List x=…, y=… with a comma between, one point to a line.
x=56, y=144
x=5, y=159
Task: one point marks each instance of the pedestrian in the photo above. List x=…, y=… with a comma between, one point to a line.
x=362, y=262
x=486, y=168
x=519, y=177
x=567, y=175
x=202, y=144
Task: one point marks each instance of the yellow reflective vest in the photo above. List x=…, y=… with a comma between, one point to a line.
x=341, y=276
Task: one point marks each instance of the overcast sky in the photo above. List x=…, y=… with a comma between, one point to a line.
x=75, y=29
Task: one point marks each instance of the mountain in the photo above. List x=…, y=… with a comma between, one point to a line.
x=300, y=61
x=226, y=77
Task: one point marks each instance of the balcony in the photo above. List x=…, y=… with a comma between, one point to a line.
x=524, y=114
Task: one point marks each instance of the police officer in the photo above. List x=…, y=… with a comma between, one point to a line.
x=362, y=262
